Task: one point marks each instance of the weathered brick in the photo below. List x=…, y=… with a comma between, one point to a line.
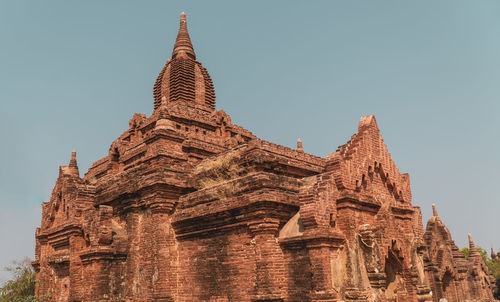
x=187, y=206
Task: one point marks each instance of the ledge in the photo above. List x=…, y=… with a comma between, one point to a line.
x=101, y=254
x=315, y=238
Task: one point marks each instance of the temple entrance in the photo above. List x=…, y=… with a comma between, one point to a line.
x=394, y=277
x=448, y=288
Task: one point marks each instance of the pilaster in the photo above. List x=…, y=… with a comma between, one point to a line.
x=323, y=247
x=165, y=255
x=269, y=264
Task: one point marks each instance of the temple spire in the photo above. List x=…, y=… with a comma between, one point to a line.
x=72, y=161
x=434, y=211
x=472, y=248
x=183, y=79
x=183, y=42
x=73, y=166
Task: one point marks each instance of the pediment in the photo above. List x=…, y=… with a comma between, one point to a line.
x=364, y=164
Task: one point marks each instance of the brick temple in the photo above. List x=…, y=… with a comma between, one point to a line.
x=188, y=206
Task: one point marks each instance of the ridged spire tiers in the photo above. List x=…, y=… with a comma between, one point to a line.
x=183, y=42
x=72, y=167
x=72, y=161
x=472, y=248
x=183, y=79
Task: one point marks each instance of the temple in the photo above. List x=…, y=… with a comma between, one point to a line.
x=188, y=206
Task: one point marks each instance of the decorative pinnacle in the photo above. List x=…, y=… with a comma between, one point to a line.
x=163, y=101
x=472, y=248
x=72, y=161
x=73, y=166
x=183, y=42
x=434, y=211
x=300, y=148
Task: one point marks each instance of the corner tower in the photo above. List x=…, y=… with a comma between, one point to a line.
x=183, y=79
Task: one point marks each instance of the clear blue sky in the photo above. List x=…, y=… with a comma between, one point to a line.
x=73, y=73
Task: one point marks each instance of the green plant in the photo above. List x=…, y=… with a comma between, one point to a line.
x=21, y=288
x=492, y=264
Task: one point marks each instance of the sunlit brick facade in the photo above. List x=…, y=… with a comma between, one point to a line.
x=188, y=206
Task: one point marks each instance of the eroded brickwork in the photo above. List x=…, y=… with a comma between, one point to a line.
x=188, y=206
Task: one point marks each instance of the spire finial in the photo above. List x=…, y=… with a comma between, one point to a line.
x=434, y=211
x=72, y=161
x=183, y=42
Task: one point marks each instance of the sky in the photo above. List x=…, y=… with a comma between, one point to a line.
x=72, y=74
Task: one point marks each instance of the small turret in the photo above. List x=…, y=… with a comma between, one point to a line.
x=300, y=148
x=473, y=253
x=72, y=161
x=434, y=211
x=73, y=165
x=163, y=122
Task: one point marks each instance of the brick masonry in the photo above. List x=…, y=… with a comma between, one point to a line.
x=188, y=206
